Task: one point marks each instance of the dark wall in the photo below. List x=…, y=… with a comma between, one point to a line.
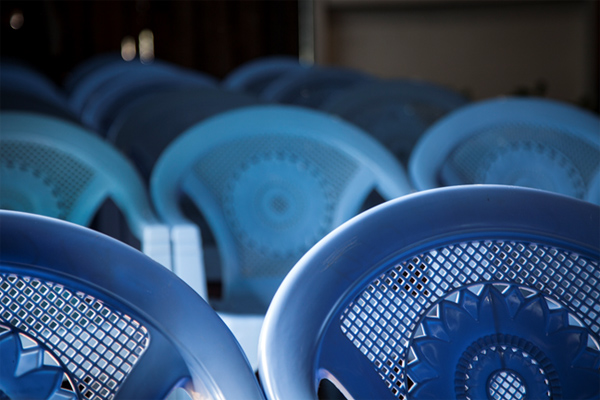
x=213, y=36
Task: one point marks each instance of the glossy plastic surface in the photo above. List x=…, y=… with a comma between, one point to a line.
x=396, y=112
x=84, y=316
x=270, y=181
x=530, y=142
x=56, y=168
x=311, y=86
x=254, y=76
x=477, y=291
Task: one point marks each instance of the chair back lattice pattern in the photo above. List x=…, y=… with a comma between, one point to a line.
x=498, y=299
x=88, y=346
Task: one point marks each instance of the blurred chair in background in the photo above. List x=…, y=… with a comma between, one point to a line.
x=254, y=76
x=396, y=112
x=83, y=316
x=146, y=128
x=56, y=168
x=531, y=142
x=22, y=88
x=105, y=90
x=311, y=86
x=475, y=291
x=270, y=181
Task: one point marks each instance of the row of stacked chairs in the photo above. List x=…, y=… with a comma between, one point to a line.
x=230, y=183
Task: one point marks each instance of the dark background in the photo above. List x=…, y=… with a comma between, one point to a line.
x=211, y=36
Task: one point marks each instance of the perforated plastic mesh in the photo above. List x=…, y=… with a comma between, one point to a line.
x=381, y=320
x=506, y=385
x=471, y=160
x=222, y=167
x=64, y=175
x=99, y=346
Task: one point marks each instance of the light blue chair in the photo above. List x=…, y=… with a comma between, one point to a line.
x=271, y=181
x=56, y=168
x=83, y=316
x=533, y=142
x=312, y=85
x=467, y=292
x=396, y=112
x=254, y=76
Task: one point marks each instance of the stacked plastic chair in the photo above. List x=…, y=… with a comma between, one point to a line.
x=146, y=128
x=56, y=168
x=254, y=76
x=23, y=88
x=531, y=142
x=468, y=292
x=106, y=88
x=83, y=316
x=271, y=181
x=396, y=112
x=311, y=86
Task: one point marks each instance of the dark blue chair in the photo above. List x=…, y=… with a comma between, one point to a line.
x=83, y=316
x=476, y=291
x=533, y=142
x=23, y=88
x=254, y=76
x=312, y=85
x=396, y=112
x=144, y=129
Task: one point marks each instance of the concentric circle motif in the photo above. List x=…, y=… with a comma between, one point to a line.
x=533, y=165
x=29, y=371
x=278, y=205
x=502, y=341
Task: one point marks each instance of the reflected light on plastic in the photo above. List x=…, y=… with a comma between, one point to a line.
x=128, y=48
x=146, y=39
x=16, y=20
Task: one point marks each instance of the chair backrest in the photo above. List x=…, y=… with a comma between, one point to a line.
x=476, y=291
x=271, y=181
x=255, y=75
x=113, y=97
x=83, y=316
x=312, y=85
x=396, y=112
x=533, y=142
x=56, y=168
x=145, y=129
x=24, y=88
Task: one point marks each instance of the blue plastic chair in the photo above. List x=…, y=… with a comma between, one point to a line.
x=87, y=66
x=56, y=168
x=270, y=181
x=83, y=316
x=124, y=73
x=24, y=88
x=114, y=96
x=312, y=86
x=254, y=76
x=144, y=129
x=533, y=142
x=396, y=112
x=476, y=291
